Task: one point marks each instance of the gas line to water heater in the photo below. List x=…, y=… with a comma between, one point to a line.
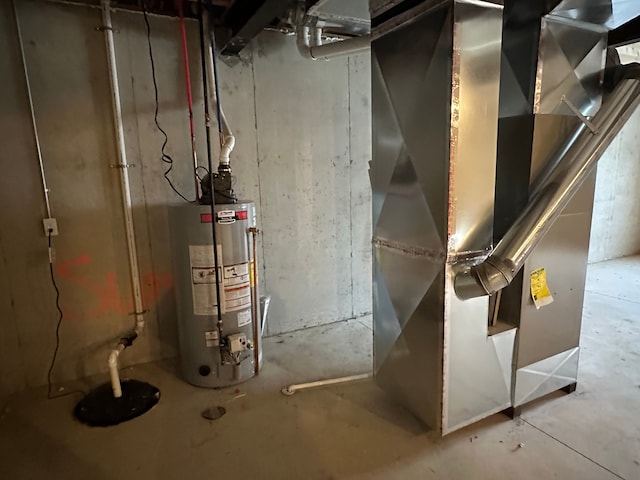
x=207, y=119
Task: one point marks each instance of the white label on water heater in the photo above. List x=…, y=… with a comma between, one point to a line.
x=239, y=270
x=244, y=318
x=211, y=338
x=237, y=288
x=203, y=279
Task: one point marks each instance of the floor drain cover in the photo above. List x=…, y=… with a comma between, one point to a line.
x=101, y=409
x=214, y=413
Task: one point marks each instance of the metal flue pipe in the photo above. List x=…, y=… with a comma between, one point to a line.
x=123, y=168
x=509, y=256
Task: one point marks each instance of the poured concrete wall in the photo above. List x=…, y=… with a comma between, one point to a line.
x=303, y=143
x=615, y=230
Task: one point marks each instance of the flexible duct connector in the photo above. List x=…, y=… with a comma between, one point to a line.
x=318, y=51
x=570, y=172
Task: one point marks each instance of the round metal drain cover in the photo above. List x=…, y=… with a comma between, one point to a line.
x=214, y=413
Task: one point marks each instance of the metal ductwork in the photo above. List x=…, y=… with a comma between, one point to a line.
x=572, y=169
x=488, y=120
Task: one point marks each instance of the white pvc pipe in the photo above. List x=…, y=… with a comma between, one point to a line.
x=125, y=189
x=328, y=50
x=228, y=143
x=113, y=370
x=291, y=389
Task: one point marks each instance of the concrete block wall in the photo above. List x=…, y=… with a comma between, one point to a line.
x=615, y=229
x=303, y=146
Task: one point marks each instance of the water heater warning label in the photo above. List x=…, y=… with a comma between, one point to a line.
x=244, y=318
x=235, y=291
x=237, y=287
x=203, y=279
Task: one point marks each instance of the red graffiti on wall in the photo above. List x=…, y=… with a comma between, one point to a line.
x=103, y=295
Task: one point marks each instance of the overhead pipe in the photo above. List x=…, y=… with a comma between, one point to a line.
x=123, y=167
x=319, y=51
x=227, y=139
x=500, y=268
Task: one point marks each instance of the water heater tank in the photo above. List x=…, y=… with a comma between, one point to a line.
x=212, y=354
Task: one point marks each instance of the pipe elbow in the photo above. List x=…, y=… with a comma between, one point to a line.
x=487, y=278
x=228, y=144
x=302, y=42
x=113, y=358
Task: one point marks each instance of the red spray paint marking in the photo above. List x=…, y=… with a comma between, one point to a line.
x=102, y=293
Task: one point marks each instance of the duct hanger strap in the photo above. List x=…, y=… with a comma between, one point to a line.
x=579, y=114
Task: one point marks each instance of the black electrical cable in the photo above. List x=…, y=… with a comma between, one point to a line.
x=203, y=168
x=209, y=163
x=60, y=316
x=50, y=395
x=166, y=158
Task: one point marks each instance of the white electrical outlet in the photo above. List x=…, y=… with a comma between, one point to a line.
x=50, y=226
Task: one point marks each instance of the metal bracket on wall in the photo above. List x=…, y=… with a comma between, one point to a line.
x=579, y=114
x=120, y=165
x=102, y=28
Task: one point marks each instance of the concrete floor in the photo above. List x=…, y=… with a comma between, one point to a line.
x=352, y=431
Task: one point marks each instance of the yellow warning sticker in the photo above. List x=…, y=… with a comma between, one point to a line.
x=539, y=289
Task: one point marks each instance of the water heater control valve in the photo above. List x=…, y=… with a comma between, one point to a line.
x=237, y=342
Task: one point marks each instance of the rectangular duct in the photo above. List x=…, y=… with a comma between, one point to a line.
x=435, y=87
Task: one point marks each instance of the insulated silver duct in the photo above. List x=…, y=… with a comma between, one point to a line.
x=508, y=257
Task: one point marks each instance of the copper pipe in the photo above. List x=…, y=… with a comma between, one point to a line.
x=254, y=302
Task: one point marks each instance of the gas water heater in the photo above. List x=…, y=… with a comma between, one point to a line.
x=216, y=352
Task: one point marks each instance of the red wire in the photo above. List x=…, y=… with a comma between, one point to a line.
x=185, y=59
x=187, y=78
